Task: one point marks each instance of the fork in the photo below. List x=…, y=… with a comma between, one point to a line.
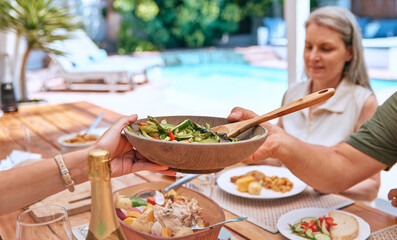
x=237, y=219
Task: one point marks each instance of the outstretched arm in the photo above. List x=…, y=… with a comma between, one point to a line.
x=368, y=189
x=25, y=185
x=345, y=165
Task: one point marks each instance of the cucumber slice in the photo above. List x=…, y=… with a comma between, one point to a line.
x=324, y=228
x=298, y=228
x=167, y=126
x=309, y=233
x=321, y=236
x=183, y=124
x=295, y=225
x=145, y=134
x=318, y=224
x=180, y=137
x=151, y=123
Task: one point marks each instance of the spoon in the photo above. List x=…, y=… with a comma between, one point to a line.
x=234, y=129
x=95, y=123
x=237, y=219
x=159, y=197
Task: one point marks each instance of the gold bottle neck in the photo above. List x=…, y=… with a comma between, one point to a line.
x=103, y=221
x=99, y=165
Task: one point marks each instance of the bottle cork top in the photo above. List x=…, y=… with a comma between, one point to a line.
x=99, y=154
x=98, y=165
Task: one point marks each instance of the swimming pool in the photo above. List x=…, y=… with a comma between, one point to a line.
x=227, y=85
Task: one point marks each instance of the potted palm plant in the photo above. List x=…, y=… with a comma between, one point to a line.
x=38, y=22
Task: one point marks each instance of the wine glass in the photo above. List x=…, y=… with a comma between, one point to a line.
x=44, y=222
x=204, y=184
x=19, y=148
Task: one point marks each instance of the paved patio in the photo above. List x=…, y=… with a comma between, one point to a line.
x=148, y=99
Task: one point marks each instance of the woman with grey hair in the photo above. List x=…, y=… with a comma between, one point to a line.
x=333, y=57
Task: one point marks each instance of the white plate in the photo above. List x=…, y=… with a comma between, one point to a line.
x=69, y=147
x=295, y=216
x=224, y=183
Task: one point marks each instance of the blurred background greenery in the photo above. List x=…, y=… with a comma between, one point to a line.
x=165, y=24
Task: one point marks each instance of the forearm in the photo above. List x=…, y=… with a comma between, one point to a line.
x=366, y=190
x=28, y=184
x=327, y=169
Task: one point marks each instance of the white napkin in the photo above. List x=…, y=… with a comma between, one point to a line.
x=17, y=157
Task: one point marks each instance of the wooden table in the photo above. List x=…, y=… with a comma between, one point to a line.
x=48, y=122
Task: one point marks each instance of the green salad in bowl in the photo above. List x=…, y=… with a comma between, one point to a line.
x=185, y=131
x=186, y=144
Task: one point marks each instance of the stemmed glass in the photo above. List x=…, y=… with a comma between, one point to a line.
x=204, y=183
x=19, y=149
x=44, y=222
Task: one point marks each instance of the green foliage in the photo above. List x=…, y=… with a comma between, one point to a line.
x=38, y=21
x=159, y=24
x=313, y=4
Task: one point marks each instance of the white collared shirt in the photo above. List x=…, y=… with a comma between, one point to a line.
x=331, y=122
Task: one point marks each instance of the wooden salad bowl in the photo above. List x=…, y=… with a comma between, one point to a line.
x=211, y=212
x=196, y=157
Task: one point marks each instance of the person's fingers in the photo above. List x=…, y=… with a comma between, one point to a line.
x=124, y=145
x=251, y=159
x=265, y=151
x=167, y=172
x=124, y=121
x=392, y=194
x=248, y=114
x=120, y=124
x=141, y=165
x=139, y=155
x=122, y=164
x=235, y=114
x=113, y=141
x=267, y=125
x=238, y=113
x=394, y=202
x=393, y=197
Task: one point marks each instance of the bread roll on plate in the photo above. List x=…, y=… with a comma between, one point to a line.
x=347, y=226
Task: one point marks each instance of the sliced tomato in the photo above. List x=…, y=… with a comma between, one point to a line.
x=330, y=221
x=312, y=222
x=304, y=223
x=151, y=200
x=314, y=228
x=172, y=137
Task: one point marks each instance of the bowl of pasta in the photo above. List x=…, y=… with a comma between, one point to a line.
x=76, y=141
x=186, y=143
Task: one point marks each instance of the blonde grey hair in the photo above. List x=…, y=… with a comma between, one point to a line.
x=344, y=22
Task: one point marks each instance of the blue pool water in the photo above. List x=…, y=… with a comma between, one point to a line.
x=234, y=84
x=379, y=84
x=257, y=88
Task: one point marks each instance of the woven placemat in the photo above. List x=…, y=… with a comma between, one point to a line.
x=385, y=234
x=265, y=213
